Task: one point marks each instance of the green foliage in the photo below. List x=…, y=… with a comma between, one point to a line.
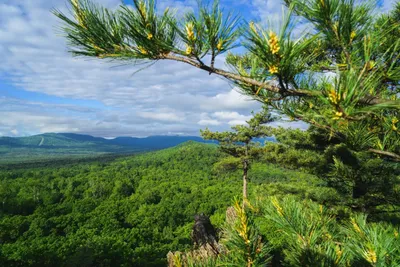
x=357, y=103
x=278, y=55
x=308, y=234
x=373, y=244
x=128, y=211
x=242, y=240
x=240, y=143
x=304, y=233
x=227, y=164
x=365, y=183
x=133, y=210
x=209, y=32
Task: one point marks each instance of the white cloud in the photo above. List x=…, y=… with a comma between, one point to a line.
x=237, y=122
x=161, y=116
x=169, y=97
x=232, y=118
x=223, y=115
x=269, y=12
x=209, y=122
x=231, y=100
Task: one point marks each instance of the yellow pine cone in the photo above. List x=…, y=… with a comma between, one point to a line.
x=338, y=251
x=149, y=36
x=355, y=226
x=334, y=97
x=338, y=115
x=189, y=50
x=219, y=45
x=273, y=69
x=371, y=64
x=277, y=206
x=273, y=43
x=142, y=50
x=353, y=35
x=189, y=31
x=371, y=256
x=252, y=27
x=394, y=122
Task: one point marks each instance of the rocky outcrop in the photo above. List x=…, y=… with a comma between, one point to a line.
x=205, y=240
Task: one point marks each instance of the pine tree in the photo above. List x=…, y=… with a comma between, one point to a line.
x=241, y=142
x=359, y=49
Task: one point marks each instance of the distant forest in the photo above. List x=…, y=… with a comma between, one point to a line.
x=131, y=211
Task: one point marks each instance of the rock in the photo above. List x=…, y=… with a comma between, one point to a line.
x=203, y=231
x=205, y=242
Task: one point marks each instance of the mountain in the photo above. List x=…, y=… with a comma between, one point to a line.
x=62, y=145
x=156, y=142
x=52, y=140
x=55, y=145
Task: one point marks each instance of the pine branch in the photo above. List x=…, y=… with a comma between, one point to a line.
x=277, y=71
x=391, y=155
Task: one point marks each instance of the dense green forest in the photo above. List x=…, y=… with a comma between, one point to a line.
x=128, y=212
x=133, y=210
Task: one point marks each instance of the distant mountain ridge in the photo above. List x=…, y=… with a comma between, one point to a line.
x=63, y=145
x=55, y=145
x=69, y=139
x=72, y=139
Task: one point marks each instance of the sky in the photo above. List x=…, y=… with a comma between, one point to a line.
x=45, y=89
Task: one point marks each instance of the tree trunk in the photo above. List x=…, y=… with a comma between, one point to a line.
x=245, y=168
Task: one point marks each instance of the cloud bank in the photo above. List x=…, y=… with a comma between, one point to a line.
x=44, y=89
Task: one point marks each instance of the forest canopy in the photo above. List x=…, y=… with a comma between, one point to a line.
x=328, y=196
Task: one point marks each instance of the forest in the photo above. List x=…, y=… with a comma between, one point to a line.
x=132, y=211
x=328, y=195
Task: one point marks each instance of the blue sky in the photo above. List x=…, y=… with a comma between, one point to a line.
x=44, y=89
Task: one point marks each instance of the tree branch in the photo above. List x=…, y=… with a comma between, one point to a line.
x=391, y=155
x=267, y=86
x=232, y=76
x=394, y=156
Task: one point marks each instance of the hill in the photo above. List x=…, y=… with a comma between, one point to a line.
x=65, y=145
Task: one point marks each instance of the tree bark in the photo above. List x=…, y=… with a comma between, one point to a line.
x=245, y=168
